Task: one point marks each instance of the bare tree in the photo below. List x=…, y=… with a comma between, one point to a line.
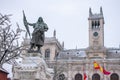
x=9, y=46
x=59, y=68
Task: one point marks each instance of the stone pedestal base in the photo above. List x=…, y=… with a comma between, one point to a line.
x=32, y=67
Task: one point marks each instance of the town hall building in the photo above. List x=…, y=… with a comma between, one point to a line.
x=71, y=64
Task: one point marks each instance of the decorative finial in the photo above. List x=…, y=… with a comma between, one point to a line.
x=90, y=12
x=63, y=44
x=101, y=12
x=54, y=33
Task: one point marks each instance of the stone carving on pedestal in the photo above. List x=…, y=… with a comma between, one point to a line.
x=32, y=68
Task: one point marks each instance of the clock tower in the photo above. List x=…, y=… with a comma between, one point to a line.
x=96, y=35
x=96, y=29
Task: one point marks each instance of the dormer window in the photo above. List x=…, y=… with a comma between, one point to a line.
x=68, y=53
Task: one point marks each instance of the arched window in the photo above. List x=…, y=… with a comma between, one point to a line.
x=96, y=77
x=93, y=25
x=78, y=77
x=114, y=76
x=56, y=53
x=61, y=77
x=98, y=23
x=47, y=53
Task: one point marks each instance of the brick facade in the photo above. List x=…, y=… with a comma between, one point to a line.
x=3, y=74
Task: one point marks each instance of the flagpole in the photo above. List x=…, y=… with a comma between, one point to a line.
x=87, y=68
x=104, y=66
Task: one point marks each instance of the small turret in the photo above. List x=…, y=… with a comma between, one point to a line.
x=54, y=33
x=101, y=12
x=90, y=12
x=63, y=44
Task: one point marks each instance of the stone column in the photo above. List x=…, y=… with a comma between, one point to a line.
x=69, y=72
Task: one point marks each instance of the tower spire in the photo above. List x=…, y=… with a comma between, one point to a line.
x=90, y=12
x=54, y=33
x=101, y=12
x=63, y=44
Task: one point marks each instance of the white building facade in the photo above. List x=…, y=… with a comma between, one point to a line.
x=71, y=64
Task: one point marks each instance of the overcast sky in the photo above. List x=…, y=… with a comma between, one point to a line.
x=68, y=17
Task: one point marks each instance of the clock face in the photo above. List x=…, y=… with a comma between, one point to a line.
x=95, y=34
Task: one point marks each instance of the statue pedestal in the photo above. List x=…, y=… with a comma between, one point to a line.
x=34, y=54
x=32, y=67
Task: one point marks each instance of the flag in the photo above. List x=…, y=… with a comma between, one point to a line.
x=85, y=76
x=96, y=65
x=106, y=72
x=101, y=69
x=26, y=24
